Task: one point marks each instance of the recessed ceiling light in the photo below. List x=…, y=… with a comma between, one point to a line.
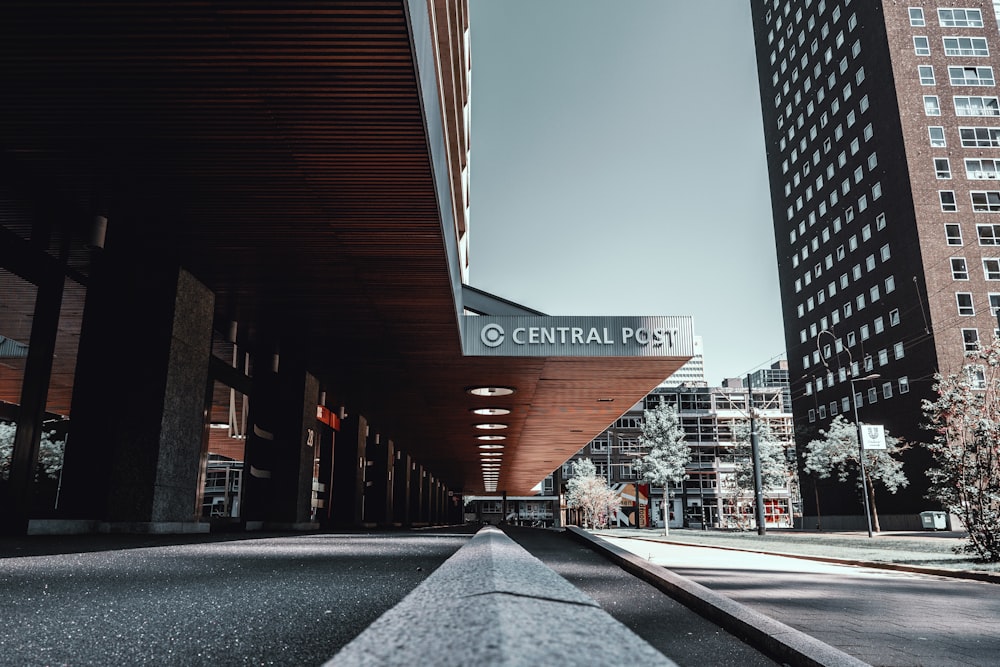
x=491, y=391
x=492, y=412
x=490, y=446
x=491, y=454
x=491, y=437
x=491, y=427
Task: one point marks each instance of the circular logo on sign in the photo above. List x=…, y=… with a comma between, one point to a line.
x=492, y=335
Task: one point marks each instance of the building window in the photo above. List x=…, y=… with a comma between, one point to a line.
x=985, y=201
x=947, y=198
x=970, y=76
x=894, y=317
x=982, y=169
x=942, y=167
x=953, y=233
x=872, y=395
x=932, y=107
x=885, y=253
x=897, y=351
x=936, y=135
x=959, y=269
x=917, y=17
x=904, y=385
x=890, y=284
x=988, y=234
x=886, y=390
x=964, y=301
x=957, y=18
x=921, y=45
x=994, y=303
x=972, y=105
x=926, y=74
x=977, y=376
x=991, y=268
x=962, y=46
x=970, y=340
x=979, y=137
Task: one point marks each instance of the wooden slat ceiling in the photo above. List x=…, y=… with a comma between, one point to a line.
x=278, y=151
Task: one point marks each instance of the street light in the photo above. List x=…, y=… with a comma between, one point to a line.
x=857, y=423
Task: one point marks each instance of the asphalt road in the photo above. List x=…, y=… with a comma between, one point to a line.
x=879, y=616
x=673, y=629
x=280, y=600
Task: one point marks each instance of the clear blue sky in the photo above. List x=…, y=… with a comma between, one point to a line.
x=618, y=167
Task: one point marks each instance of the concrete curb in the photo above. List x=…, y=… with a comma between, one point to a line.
x=782, y=642
x=988, y=577
x=493, y=603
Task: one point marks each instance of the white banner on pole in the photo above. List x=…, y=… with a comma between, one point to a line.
x=873, y=436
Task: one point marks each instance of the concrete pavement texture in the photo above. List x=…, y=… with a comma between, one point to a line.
x=880, y=616
x=671, y=627
x=252, y=600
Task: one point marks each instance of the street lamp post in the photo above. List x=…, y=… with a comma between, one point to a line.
x=857, y=424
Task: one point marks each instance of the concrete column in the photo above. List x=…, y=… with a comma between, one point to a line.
x=133, y=456
x=349, y=472
x=401, y=489
x=417, y=507
x=378, y=480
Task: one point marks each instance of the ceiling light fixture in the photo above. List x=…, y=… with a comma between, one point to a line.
x=490, y=412
x=490, y=446
x=491, y=437
x=491, y=391
x=491, y=427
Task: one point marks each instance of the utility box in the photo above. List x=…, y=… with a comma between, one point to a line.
x=934, y=520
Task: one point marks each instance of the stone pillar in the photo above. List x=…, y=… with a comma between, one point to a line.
x=401, y=489
x=378, y=480
x=282, y=443
x=349, y=473
x=133, y=456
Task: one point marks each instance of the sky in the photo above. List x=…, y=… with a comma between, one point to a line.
x=618, y=168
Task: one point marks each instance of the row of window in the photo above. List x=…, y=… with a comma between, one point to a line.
x=958, y=75
x=953, y=46
x=867, y=365
x=966, y=305
x=960, y=268
x=948, y=18
x=987, y=234
x=983, y=201
x=976, y=169
x=844, y=404
x=965, y=105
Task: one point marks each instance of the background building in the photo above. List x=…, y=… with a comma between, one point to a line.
x=710, y=417
x=691, y=374
x=882, y=127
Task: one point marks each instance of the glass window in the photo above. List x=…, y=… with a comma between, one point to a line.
x=953, y=233
x=963, y=46
x=972, y=105
x=964, y=301
x=991, y=268
x=904, y=385
x=947, y=198
x=932, y=107
x=985, y=201
x=959, y=269
x=926, y=74
x=936, y=135
x=969, y=76
x=942, y=168
x=956, y=18
x=970, y=340
x=921, y=46
x=979, y=137
x=917, y=17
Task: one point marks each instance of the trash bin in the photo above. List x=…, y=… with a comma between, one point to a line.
x=934, y=520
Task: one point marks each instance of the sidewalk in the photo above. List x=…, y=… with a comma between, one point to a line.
x=930, y=552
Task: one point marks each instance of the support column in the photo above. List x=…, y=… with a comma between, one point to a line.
x=418, y=509
x=133, y=456
x=378, y=480
x=401, y=489
x=349, y=473
x=282, y=443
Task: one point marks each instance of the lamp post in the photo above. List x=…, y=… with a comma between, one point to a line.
x=857, y=423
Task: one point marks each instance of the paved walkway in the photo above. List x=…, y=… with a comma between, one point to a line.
x=879, y=616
